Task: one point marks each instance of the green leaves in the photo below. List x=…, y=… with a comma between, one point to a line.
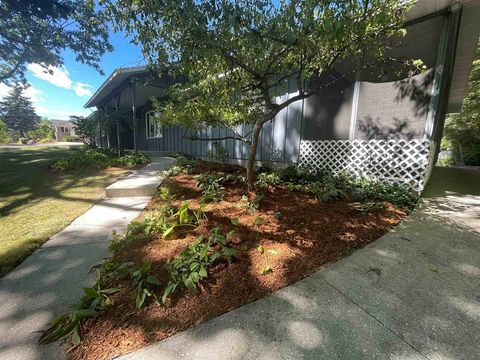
x=191, y=265
x=145, y=283
x=211, y=185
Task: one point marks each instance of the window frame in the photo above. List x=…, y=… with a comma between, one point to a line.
x=157, y=132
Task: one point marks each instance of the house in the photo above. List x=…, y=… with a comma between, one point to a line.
x=63, y=128
x=382, y=127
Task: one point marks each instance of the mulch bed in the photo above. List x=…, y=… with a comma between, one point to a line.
x=303, y=233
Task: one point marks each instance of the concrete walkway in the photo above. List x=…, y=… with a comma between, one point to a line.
x=52, y=278
x=413, y=294
x=142, y=182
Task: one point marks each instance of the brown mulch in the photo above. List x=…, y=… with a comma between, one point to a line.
x=303, y=234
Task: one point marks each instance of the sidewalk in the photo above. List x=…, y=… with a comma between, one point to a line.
x=413, y=294
x=52, y=278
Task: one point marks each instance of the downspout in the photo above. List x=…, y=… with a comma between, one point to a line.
x=134, y=117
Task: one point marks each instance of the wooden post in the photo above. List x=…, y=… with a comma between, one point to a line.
x=118, y=128
x=134, y=117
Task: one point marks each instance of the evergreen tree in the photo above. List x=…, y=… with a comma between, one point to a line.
x=17, y=111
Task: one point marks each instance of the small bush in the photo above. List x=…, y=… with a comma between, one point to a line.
x=130, y=160
x=184, y=165
x=70, y=138
x=266, y=179
x=99, y=159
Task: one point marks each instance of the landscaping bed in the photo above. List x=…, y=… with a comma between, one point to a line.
x=262, y=245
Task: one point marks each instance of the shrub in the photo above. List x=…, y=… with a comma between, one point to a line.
x=44, y=132
x=98, y=159
x=329, y=187
x=130, y=160
x=4, y=134
x=191, y=265
x=184, y=165
x=266, y=179
x=70, y=138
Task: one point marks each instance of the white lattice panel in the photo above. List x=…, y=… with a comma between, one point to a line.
x=394, y=161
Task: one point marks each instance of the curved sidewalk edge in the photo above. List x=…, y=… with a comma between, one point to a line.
x=412, y=294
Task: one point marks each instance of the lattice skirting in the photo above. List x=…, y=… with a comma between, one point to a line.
x=394, y=161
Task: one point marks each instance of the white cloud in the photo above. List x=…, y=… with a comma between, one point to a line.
x=59, y=114
x=59, y=76
x=55, y=75
x=31, y=92
x=82, y=89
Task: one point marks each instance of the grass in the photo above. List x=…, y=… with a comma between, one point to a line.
x=37, y=202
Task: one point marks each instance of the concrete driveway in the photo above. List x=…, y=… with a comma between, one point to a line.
x=413, y=294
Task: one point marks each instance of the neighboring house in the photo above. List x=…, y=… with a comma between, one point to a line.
x=386, y=128
x=63, y=128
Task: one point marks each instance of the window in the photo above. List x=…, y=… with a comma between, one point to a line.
x=152, y=121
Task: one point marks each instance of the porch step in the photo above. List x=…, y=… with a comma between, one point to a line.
x=142, y=182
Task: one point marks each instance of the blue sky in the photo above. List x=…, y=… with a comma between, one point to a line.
x=66, y=91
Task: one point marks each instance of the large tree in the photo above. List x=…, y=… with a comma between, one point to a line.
x=17, y=111
x=36, y=31
x=236, y=55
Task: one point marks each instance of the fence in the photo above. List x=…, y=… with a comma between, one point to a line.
x=395, y=161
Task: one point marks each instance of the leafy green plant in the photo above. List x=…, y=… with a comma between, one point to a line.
x=184, y=216
x=325, y=191
x=98, y=159
x=130, y=160
x=191, y=265
x=184, y=165
x=164, y=220
x=145, y=283
x=266, y=179
x=95, y=298
x=367, y=207
x=211, y=186
x=266, y=269
x=165, y=195
x=251, y=205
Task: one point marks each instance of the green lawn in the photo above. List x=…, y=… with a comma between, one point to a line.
x=36, y=202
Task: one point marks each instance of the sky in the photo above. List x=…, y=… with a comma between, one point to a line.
x=65, y=92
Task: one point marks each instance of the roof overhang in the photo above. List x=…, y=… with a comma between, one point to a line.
x=118, y=77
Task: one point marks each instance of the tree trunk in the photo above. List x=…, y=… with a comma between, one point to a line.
x=251, y=156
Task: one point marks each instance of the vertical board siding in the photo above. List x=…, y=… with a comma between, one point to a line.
x=279, y=139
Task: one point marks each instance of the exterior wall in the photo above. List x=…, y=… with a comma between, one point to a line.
x=67, y=131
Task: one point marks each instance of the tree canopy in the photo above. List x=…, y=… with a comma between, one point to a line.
x=236, y=55
x=17, y=111
x=36, y=31
x=462, y=131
